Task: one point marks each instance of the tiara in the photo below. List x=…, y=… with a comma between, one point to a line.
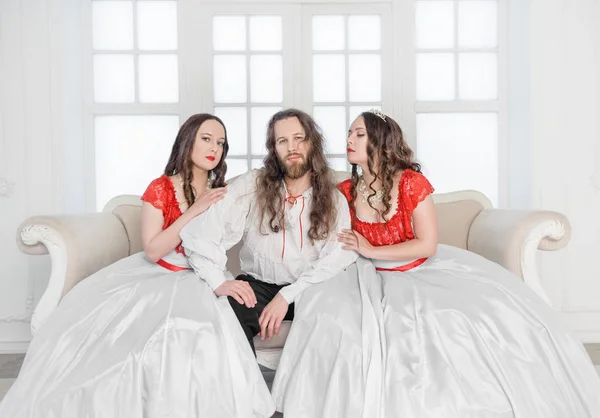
x=377, y=113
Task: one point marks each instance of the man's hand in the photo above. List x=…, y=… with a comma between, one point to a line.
x=239, y=290
x=271, y=317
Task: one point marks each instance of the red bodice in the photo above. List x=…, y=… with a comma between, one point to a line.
x=161, y=194
x=412, y=189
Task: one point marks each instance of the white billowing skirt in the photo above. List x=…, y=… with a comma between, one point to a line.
x=136, y=340
x=457, y=337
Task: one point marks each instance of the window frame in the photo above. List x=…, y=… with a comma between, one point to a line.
x=195, y=75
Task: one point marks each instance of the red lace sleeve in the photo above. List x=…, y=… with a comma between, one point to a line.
x=416, y=188
x=157, y=193
x=345, y=187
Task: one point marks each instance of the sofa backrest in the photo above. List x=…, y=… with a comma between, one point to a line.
x=455, y=211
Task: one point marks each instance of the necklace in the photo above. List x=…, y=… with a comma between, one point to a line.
x=366, y=191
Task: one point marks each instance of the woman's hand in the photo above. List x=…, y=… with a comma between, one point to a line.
x=239, y=290
x=206, y=199
x=356, y=242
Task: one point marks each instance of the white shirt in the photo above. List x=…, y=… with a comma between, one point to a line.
x=282, y=258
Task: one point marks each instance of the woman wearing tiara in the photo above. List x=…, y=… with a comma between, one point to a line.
x=458, y=335
x=145, y=337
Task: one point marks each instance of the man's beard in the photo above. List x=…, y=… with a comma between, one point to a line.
x=296, y=169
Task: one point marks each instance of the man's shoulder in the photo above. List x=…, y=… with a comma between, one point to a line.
x=245, y=182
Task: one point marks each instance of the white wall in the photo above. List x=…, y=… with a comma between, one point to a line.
x=565, y=144
x=40, y=142
x=554, y=145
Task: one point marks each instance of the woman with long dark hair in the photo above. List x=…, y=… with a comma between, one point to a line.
x=461, y=336
x=145, y=337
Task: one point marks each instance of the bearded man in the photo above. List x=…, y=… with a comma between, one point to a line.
x=287, y=216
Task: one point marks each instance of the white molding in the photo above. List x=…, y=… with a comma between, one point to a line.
x=586, y=325
x=134, y=109
x=13, y=347
x=36, y=234
x=25, y=316
x=457, y=106
x=588, y=337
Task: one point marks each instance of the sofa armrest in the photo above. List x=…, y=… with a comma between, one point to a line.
x=511, y=238
x=79, y=245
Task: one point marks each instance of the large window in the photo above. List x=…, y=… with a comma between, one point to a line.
x=248, y=82
x=345, y=52
x=135, y=103
x=435, y=66
x=457, y=99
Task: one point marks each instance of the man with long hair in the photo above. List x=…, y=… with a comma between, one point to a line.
x=288, y=215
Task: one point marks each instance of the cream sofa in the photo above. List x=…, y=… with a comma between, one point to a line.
x=80, y=245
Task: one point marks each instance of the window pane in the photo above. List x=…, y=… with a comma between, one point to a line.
x=230, y=78
x=235, y=167
x=157, y=25
x=159, y=79
x=355, y=111
x=259, y=118
x=435, y=77
x=329, y=78
x=229, y=33
x=460, y=151
x=338, y=164
x=265, y=33
x=266, y=79
x=477, y=24
x=332, y=119
x=365, y=77
x=112, y=23
x=257, y=163
x=364, y=32
x=236, y=123
x=113, y=79
x=131, y=151
x=477, y=76
x=328, y=33
x=434, y=23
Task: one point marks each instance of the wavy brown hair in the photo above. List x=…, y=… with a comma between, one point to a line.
x=180, y=161
x=387, y=153
x=323, y=213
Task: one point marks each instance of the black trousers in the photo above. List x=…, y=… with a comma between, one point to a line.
x=248, y=317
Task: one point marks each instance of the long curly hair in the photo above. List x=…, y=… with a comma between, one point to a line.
x=180, y=161
x=387, y=153
x=323, y=213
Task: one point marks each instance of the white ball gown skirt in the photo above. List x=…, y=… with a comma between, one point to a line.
x=136, y=340
x=457, y=337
